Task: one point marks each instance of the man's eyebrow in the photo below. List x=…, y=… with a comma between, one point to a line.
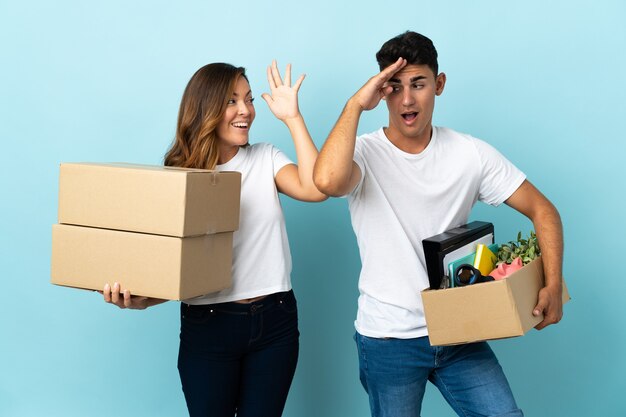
x=412, y=80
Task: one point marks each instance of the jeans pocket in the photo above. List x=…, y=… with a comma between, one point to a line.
x=288, y=303
x=196, y=314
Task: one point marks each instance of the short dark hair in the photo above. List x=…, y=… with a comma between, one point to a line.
x=415, y=48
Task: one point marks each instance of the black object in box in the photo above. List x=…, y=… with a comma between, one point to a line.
x=437, y=247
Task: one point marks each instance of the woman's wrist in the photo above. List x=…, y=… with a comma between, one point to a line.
x=294, y=121
x=297, y=119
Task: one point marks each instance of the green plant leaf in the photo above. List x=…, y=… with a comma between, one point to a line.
x=526, y=249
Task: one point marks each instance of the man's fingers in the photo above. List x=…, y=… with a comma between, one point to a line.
x=388, y=72
x=547, y=321
x=551, y=311
x=401, y=62
x=386, y=91
x=378, y=81
x=539, y=311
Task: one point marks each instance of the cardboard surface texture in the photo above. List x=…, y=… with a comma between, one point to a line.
x=150, y=199
x=158, y=266
x=486, y=311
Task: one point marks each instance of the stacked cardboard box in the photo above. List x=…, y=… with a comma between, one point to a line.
x=160, y=231
x=486, y=311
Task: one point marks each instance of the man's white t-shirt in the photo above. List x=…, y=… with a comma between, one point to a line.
x=261, y=255
x=403, y=198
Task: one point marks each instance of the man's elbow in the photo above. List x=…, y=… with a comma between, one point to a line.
x=327, y=185
x=547, y=212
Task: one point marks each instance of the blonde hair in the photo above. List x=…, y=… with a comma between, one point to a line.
x=201, y=109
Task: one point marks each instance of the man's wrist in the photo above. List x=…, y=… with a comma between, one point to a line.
x=354, y=106
x=554, y=284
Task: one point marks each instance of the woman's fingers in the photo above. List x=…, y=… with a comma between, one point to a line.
x=127, y=299
x=112, y=295
x=123, y=299
x=275, y=80
x=299, y=82
x=106, y=292
x=288, y=76
x=270, y=78
x=115, y=294
x=268, y=99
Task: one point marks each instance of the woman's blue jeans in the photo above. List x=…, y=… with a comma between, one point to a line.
x=394, y=374
x=239, y=358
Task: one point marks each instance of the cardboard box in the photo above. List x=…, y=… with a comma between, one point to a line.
x=486, y=311
x=149, y=199
x=150, y=265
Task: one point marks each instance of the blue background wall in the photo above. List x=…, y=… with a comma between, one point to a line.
x=101, y=81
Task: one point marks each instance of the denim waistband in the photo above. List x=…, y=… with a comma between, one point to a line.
x=244, y=308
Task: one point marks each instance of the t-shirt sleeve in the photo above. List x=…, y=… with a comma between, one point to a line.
x=360, y=161
x=279, y=159
x=499, y=177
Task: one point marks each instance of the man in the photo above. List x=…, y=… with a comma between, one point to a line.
x=404, y=183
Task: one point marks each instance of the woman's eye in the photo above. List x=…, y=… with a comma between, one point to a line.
x=250, y=100
x=231, y=101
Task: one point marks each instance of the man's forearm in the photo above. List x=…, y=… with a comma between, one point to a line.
x=550, y=235
x=335, y=173
x=334, y=165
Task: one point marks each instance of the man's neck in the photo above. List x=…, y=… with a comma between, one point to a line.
x=412, y=145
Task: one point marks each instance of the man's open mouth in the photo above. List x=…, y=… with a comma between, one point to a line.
x=409, y=116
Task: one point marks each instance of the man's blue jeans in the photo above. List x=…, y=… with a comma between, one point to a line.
x=394, y=374
x=239, y=358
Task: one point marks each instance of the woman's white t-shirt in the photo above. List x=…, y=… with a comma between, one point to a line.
x=261, y=255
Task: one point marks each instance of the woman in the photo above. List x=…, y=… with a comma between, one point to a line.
x=239, y=347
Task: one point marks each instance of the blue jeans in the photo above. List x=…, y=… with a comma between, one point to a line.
x=239, y=358
x=394, y=374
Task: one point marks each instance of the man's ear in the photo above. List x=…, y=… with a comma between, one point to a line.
x=440, y=83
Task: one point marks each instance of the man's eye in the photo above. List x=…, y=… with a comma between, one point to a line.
x=395, y=88
x=418, y=86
